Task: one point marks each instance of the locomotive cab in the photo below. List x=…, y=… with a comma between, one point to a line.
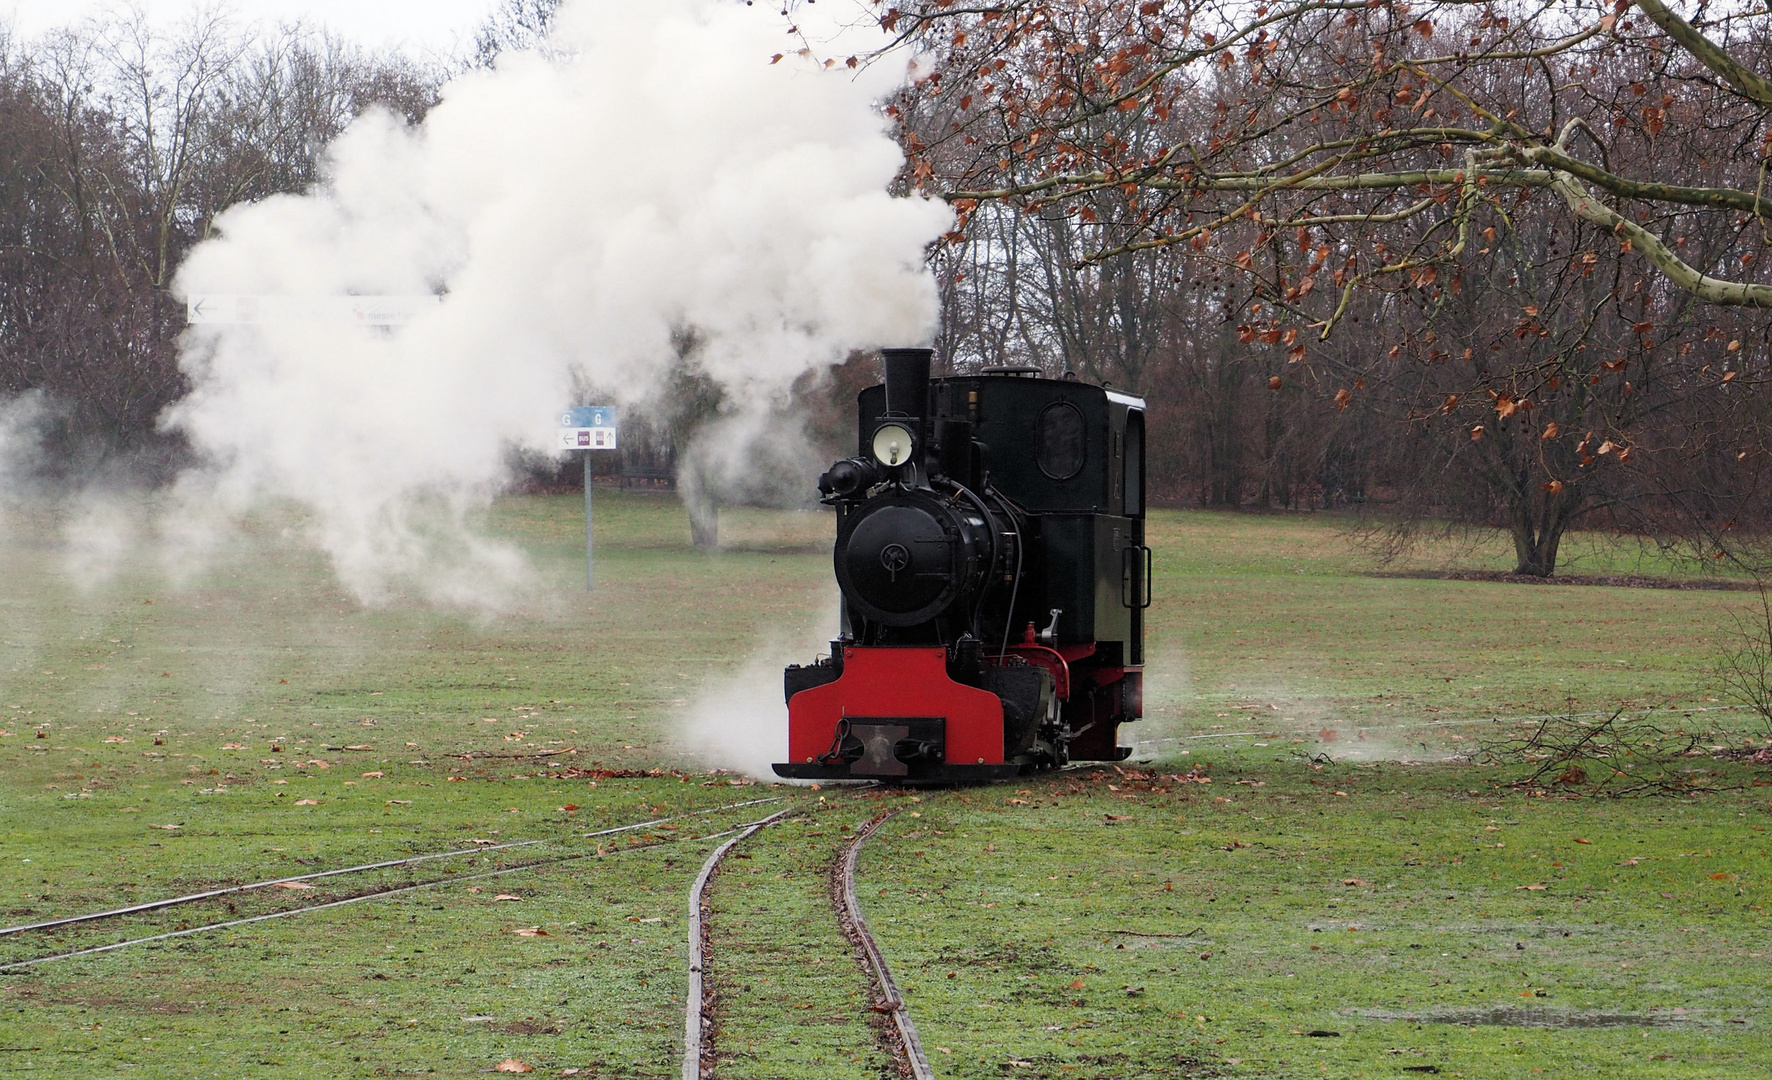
x=990, y=552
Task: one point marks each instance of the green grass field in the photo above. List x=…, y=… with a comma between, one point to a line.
x=1340, y=873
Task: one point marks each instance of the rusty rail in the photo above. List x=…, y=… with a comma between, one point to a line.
x=695, y=1011
x=857, y=928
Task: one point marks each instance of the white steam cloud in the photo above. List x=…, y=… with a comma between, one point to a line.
x=652, y=173
x=739, y=721
x=20, y=419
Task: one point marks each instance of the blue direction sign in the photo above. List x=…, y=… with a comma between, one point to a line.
x=588, y=427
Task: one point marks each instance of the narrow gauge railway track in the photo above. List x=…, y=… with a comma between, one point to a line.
x=375, y=894
x=695, y=1018
x=906, y=1046
x=856, y=926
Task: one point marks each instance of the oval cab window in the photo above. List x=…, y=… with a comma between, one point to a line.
x=1060, y=443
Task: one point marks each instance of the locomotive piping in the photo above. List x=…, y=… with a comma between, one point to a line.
x=693, y=1020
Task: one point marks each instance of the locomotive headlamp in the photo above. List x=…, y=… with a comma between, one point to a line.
x=892, y=444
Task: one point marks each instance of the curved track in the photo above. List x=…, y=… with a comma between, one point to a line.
x=694, y=1018
x=905, y=1046
x=856, y=926
x=373, y=895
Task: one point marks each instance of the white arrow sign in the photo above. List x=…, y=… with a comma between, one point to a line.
x=213, y=308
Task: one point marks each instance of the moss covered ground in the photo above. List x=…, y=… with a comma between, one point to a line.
x=1343, y=872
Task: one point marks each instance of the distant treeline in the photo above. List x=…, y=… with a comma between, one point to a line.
x=1352, y=271
x=119, y=145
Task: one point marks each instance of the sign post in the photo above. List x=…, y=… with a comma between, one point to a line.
x=584, y=429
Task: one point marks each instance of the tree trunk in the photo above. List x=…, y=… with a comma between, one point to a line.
x=704, y=524
x=1538, y=527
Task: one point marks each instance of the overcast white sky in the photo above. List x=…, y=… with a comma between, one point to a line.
x=418, y=24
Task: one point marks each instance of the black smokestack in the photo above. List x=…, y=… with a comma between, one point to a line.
x=907, y=381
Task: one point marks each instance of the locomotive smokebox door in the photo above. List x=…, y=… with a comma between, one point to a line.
x=990, y=552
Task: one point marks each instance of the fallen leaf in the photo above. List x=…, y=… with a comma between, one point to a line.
x=1078, y=985
x=1355, y=881
x=1118, y=817
x=569, y=807
x=168, y=828
x=1531, y=888
x=293, y=885
x=636, y=918
x=531, y=931
x=307, y=802
x=506, y=896
x=512, y=1065
x=1719, y=877
x=377, y=775
x=1579, y=840
x=360, y=746
x=233, y=746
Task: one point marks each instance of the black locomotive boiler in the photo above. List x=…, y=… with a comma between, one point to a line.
x=990, y=551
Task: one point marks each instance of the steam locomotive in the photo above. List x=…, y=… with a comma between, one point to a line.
x=990, y=551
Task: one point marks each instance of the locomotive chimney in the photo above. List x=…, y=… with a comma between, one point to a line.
x=907, y=381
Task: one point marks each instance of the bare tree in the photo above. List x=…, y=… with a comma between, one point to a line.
x=120, y=146
x=1450, y=171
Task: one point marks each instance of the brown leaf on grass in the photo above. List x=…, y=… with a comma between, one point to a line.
x=377, y=775
x=1580, y=840
x=1531, y=888
x=1117, y=817
x=233, y=746
x=512, y=1065
x=293, y=885
x=168, y=828
x=530, y=931
x=307, y=802
x=569, y=807
x=1355, y=881
x=507, y=896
